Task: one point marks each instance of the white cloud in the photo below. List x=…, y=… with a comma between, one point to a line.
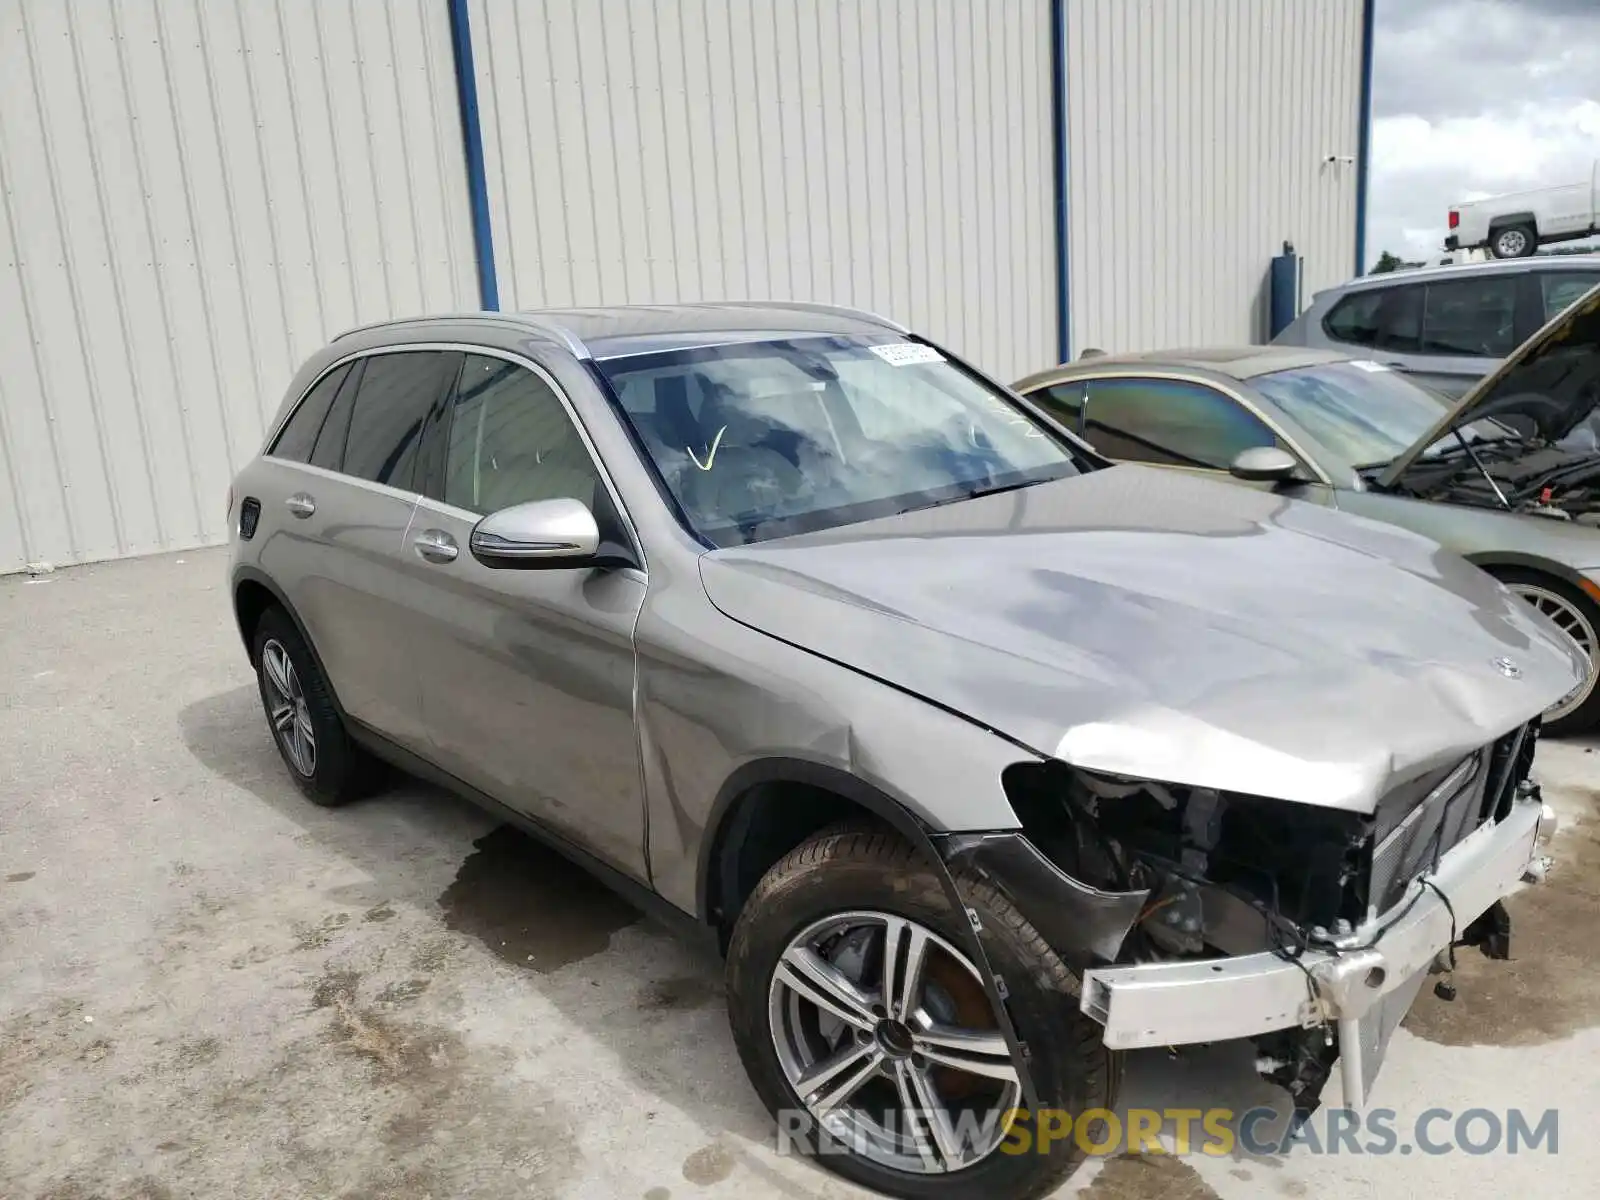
x=1420, y=167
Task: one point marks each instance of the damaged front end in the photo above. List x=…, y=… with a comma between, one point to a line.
x=1196, y=915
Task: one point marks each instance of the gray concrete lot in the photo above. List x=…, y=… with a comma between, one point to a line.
x=209, y=987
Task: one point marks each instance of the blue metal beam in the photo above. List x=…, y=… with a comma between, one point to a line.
x=1058, y=119
x=1364, y=136
x=472, y=142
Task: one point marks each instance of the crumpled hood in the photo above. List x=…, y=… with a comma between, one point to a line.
x=1155, y=624
x=1548, y=386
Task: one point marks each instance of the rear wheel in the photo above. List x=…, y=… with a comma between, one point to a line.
x=1578, y=617
x=866, y=1029
x=306, y=727
x=1513, y=241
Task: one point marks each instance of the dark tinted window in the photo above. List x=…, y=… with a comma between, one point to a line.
x=1169, y=422
x=299, y=434
x=329, y=450
x=391, y=404
x=1064, y=402
x=1473, y=316
x=512, y=441
x=1383, y=318
x=1561, y=289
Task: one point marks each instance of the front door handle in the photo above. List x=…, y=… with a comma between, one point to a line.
x=301, y=505
x=436, y=546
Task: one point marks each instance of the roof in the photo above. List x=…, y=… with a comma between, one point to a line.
x=1498, y=266
x=1237, y=362
x=613, y=331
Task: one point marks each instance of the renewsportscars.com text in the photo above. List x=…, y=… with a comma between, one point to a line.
x=1218, y=1132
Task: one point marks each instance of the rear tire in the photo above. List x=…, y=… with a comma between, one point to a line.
x=303, y=719
x=1513, y=241
x=848, y=874
x=1579, y=618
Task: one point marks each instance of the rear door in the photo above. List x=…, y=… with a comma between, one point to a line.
x=348, y=507
x=527, y=675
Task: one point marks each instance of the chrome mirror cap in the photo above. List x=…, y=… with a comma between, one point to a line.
x=540, y=533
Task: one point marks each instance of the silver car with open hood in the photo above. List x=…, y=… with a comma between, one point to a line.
x=981, y=760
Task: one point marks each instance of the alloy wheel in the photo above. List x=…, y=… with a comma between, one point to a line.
x=1576, y=625
x=885, y=1032
x=286, y=708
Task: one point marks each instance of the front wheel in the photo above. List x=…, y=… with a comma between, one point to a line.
x=867, y=1031
x=1578, y=617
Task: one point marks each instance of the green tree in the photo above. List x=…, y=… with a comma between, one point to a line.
x=1387, y=262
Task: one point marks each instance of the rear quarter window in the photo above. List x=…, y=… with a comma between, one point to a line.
x=298, y=436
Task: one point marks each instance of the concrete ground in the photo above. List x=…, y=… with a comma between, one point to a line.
x=209, y=987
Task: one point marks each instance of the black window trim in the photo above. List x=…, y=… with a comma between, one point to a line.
x=1237, y=395
x=270, y=445
x=424, y=475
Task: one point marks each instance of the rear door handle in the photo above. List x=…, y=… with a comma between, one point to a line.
x=436, y=546
x=301, y=505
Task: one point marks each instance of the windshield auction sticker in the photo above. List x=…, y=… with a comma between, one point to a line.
x=906, y=354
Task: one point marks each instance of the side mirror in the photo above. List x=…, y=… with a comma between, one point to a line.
x=540, y=533
x=1264, y=464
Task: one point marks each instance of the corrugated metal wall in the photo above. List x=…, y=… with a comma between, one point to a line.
x=1197, y=136
x=195, y=194
x=893, y=155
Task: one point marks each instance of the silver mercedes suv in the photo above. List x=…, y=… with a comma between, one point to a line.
x=981, y=760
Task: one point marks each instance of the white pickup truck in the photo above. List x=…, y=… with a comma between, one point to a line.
x=1516, y=225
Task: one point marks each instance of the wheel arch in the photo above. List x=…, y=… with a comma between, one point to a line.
x=1498, y=562
x=253, y=593
x=1506, y=220
x=755, y=821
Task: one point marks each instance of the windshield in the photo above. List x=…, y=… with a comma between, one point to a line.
x=1361, y=412
x=758, y=440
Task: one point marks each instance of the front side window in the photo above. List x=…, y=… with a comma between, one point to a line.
x=757, y=440
x=1169, y=422
x=1474, y=317
x=298, y=437
x=392, y=401
x=1063, y=401
x=511, y=441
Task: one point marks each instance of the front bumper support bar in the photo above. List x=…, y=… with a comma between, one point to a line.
x=1213, y=1000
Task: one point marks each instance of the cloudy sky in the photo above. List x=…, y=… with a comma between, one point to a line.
x=1473, y=98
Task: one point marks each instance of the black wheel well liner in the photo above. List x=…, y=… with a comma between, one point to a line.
x=751, y=826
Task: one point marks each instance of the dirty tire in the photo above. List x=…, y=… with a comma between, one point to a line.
x=851, y=868
x=342, y=771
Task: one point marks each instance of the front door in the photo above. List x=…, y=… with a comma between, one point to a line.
x=527, y=675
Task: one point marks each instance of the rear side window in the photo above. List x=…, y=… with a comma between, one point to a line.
x=1561, y=290
x=392, y=403
x=299, y=434
x=1474, y=317
x=512, y=441
x=1169, y=422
